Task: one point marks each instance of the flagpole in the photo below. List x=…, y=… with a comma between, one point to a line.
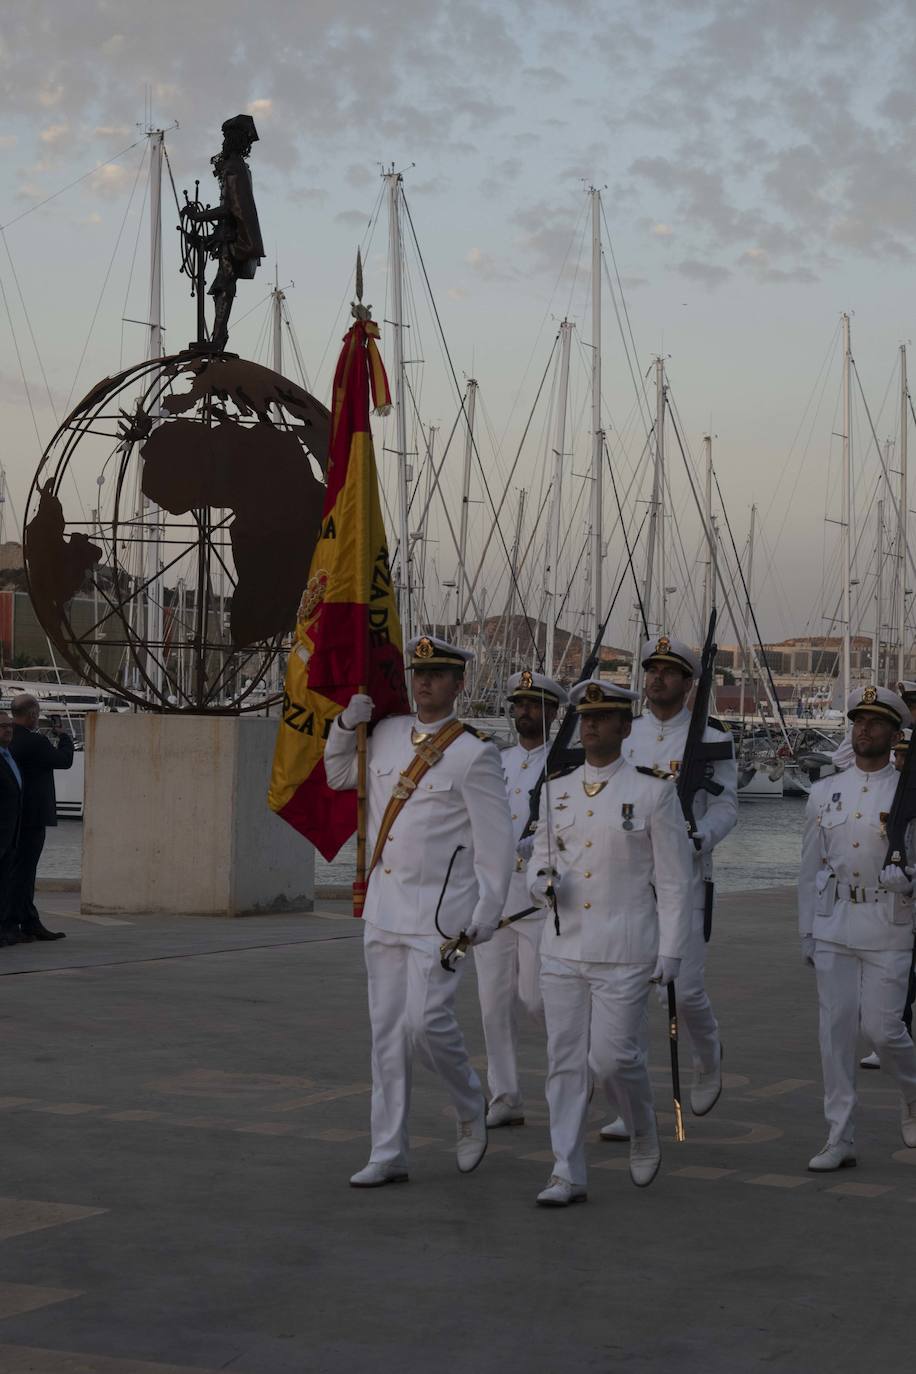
x=361, y=312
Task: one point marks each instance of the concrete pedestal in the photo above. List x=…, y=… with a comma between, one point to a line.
x=176, y=819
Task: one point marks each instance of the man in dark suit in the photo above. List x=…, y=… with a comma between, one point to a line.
x=10, y=819
x=37, y=759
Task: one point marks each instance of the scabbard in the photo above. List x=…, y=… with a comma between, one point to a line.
x=679, y=1133
x=709, y=896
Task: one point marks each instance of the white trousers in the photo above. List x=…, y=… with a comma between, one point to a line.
x=411, y=1011
x=596, y=1014
x=694, y=1010
x=866, y=986
x=508, y=975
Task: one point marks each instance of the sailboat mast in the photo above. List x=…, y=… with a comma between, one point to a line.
x=746, y=663
x=277, y=299
x=154, y=518
x=597, y=431
x=879, y=582
x=470, y=410
x=901, y=520
x=657, y=487
x=552, y=581
x=846, y=559
x=396, y=277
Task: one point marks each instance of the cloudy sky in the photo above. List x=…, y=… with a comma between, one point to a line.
x=757, y=165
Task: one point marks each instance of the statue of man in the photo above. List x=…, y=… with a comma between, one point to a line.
x=235, y=242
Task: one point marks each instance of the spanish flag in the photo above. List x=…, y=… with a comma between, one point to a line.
x=348, y=635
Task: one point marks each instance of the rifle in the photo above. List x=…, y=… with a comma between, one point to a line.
x=902, y=812
x=561, y=753
x=695, y=772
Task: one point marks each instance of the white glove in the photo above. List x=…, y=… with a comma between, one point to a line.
x=358, y=711
x=702, y=843
x=807, y=949
x=894, y=879
x=666, y=970
x=538, y=888
x=479, y=935
x=525, y=847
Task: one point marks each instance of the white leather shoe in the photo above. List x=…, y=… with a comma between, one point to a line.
x=839, y=1156
x=870, y=1061
x=645, y=1157
x=377, y=1175
x=615, y=1130
x=504, y=1114
x=471, y=1146
x=908, y=1125
x=707, y=1089
x=560, y=1193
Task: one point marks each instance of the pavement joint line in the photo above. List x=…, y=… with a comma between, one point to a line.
x=168, y=958
x=779, y=1180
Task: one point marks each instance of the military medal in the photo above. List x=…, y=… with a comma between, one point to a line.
x=626, y=811
x=883, y=817
x=837, y=800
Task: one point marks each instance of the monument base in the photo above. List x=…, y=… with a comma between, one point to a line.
x=176, y=819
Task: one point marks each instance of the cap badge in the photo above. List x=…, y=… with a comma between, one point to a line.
x=663, y=646
x=527, y=680
x=424, y=648
x=869, y=696
x=593, y=692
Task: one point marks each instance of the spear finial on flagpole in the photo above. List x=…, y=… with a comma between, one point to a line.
x=357, y=309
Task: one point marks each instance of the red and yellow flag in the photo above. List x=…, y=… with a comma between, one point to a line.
x=348, y=635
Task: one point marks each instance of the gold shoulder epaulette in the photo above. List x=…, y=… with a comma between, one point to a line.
x=485, y=735
x=653, y=772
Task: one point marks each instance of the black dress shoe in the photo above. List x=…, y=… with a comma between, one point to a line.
x=40, y=932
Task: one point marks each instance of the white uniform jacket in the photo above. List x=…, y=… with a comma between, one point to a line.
x=660, y=744
x=624, y=866
x=843, y=851
x=521, y=769
x=461, y=800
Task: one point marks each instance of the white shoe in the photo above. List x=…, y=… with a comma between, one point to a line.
x=839, y=1156
x=376, y=1175
x=707, y=1089
x=615, y=1130
x=870, y=1061
x=645, y=1157
x=559, y=1193
x=908, y=1125
x=503, y=1114
x=471, y=1142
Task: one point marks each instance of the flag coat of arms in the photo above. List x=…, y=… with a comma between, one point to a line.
x=348, y=635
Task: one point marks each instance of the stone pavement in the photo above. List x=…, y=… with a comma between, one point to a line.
x=182, y=1101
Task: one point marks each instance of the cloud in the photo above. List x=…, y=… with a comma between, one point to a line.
x=358, y=175
x=661, y=231
x=352, y=219
x=457, y=293
x=261, y=108
x=112, y=179
x=706, y=273
x=54, y=133
x=8, y=140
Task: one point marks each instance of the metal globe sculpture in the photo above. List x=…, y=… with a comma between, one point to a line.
x=189, y=570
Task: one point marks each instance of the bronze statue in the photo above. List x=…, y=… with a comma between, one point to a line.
x=235, y=241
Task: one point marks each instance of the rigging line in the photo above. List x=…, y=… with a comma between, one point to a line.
x=626, y=541
x=47, y=200
x=171, y=178
x=895, y=504
x=636, y=377
x=623, y=301
x=823, y=371
x=130, y=277
x=458, y=391
x=747, y=597
x=364, y=244
x=28, y=321
x=25, y=383
x=98, y=304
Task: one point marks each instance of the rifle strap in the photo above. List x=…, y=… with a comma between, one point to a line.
x=426, y=756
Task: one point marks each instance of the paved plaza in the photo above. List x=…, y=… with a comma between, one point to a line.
x=182, y=1101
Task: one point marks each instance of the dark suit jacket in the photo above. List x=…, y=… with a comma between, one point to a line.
x=10, y=807
x=37, y=758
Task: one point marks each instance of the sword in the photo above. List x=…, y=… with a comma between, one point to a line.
x=679, y=1133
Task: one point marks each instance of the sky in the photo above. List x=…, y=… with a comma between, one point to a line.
x=757, y=165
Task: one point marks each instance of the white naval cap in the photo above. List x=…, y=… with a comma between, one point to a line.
x=429, y=651
x=595, y=695
x=664, y=649
x=877, y=701
x=907, y=690
x=530, y=686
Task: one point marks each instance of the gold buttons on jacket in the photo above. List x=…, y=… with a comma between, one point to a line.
x=514, y=817
x=387, y=870
x=586, y=874
x=517, y=790
x=587, y=906
x=589, y=813
x=857, y=816
x=855, y=844
x=588, y=844
x=856, y=873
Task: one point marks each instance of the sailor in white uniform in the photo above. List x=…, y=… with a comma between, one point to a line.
x=657, y=741
x=843, y=755
x=612, y=845
x=443, y=869
x=508, y=968
x=856, y=920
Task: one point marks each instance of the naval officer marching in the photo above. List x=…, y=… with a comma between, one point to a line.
x=856, y=918
x=441, y=835
x=508, y=968
x=657, y=741
x=612, y=846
